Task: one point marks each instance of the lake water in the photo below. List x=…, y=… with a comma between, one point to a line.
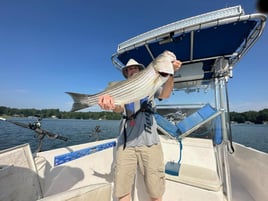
x=82, y=131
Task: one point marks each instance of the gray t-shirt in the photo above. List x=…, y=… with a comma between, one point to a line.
x=142, y=130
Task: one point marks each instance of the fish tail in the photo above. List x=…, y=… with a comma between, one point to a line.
x=79, y=101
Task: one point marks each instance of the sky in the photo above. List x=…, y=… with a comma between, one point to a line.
x=48, y=47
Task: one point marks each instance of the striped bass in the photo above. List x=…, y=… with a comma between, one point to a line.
x=143, y=84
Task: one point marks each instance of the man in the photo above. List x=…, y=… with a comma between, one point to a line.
x=139, y=143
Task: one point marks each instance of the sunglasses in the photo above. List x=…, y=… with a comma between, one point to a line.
x=132, y=68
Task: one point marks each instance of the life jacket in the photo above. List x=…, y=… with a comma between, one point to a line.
x=131, y=112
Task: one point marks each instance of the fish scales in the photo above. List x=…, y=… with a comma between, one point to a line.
x=121, y=94
x=135, y=90
x=143, y=84
x=132, y=90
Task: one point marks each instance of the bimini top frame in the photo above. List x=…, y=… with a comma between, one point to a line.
x=209, y=45
x=201, y=43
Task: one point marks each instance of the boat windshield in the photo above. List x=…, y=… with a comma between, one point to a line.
x=184, y=103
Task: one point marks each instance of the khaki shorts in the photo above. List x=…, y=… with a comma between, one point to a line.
x=150, y=161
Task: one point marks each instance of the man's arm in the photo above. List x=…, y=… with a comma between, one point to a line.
x=168, y=86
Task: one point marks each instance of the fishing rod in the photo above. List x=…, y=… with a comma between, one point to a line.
x=41, y=133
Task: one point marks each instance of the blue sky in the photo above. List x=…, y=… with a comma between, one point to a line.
x=48, y=47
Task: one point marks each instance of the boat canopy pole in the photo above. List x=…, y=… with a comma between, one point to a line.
x=222, y=149
x=150, y=52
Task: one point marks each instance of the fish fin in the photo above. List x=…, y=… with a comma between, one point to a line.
x=111, y=84
x=78, y=101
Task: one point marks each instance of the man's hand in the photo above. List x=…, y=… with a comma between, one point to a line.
x=106, y=102
x=176, y=65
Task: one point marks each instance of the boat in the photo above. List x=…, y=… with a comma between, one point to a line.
x=201, y=161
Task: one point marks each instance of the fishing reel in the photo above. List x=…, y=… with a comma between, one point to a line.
x=35, y=125
x=40, y=133
x=95, y=132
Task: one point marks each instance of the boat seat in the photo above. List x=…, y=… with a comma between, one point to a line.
x=184, y=173
x=187, y=125
x=196, y=176
x=19, y=180
x=94, y=192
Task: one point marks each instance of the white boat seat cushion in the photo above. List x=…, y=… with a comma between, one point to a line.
x=18, y=177
x=197, y=176
x=94, y=192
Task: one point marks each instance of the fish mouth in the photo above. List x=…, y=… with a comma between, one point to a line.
x=163, y=74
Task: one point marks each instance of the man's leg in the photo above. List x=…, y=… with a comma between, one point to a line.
x=125, y=171
x=154, y=171
x=156, y=199
x=125, y=198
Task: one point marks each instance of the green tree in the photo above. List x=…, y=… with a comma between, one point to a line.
x=262, y=116
x=237, y=117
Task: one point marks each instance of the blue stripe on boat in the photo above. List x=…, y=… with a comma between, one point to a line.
x=58, y=160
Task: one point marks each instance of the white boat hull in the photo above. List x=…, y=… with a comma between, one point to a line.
x=92, y=175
